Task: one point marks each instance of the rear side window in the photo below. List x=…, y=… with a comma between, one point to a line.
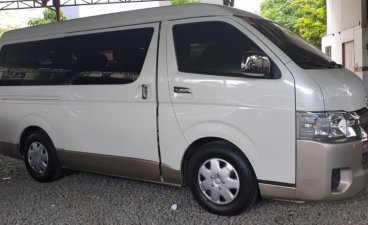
x=214, y=48
x=103, y=58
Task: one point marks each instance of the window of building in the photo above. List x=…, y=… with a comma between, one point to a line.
x=328, y=51
x=214, y=48
x=348, y=55
x=103, y=58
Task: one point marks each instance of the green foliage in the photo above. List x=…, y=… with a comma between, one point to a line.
x=178, y=2
x=307, y=18
x=49, y=16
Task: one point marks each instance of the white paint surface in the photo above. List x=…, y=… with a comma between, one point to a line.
x=19, y=18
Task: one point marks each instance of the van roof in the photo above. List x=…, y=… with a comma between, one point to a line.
x=121, y=19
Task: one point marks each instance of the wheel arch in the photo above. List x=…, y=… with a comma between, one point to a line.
x=31, y=124
x=26, y=133
x=193, y=148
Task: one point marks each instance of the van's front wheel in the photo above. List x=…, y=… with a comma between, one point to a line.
x=40, y=158
x=221, y=180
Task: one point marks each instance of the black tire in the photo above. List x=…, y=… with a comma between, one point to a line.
x=243, y=197
x=46, y=155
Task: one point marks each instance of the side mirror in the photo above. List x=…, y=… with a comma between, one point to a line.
x=256, y=64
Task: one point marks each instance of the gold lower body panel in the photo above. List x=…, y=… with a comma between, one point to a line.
x=132, y=168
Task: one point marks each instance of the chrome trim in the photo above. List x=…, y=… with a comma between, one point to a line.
x=182, y=90
x=144, y=91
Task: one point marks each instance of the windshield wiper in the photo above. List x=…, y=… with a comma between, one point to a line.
x=316, y=64
x=336, y=65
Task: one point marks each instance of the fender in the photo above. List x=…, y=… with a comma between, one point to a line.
x=38, y=121
x=221, y=130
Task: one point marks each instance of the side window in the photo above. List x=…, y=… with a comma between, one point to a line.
x=33, y=63
x=215, y=48
x=103, y=58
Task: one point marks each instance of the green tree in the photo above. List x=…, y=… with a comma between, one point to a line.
x=306, y=18
x=178, y=2
x=49, y=16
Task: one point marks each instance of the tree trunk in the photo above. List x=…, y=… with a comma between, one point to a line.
x=56, y=4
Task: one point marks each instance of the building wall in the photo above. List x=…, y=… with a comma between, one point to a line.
x=343, y=14
x=346, y=22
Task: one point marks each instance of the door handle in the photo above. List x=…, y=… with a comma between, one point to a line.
x=144, y=91
x=182, y=90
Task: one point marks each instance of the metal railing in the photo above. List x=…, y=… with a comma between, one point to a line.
x=30, y=4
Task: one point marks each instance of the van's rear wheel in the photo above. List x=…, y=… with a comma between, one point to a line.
x=40, y=157
x=221, y=179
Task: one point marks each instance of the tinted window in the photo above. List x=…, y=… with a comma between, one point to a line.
x=104, y=58
x=211, y=48
x=301, y=52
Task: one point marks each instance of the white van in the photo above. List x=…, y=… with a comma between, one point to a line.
x=222, y=100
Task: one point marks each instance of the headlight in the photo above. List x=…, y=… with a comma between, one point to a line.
x=327, y=126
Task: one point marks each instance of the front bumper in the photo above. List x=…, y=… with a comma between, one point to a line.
x=315, y=163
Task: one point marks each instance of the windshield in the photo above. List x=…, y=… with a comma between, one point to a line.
x=300, y=51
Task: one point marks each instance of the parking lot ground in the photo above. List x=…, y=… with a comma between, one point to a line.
x=83, y=198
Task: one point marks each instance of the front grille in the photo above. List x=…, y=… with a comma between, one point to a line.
x=363, y=118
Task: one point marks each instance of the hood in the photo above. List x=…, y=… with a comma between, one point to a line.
x=341, y=89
